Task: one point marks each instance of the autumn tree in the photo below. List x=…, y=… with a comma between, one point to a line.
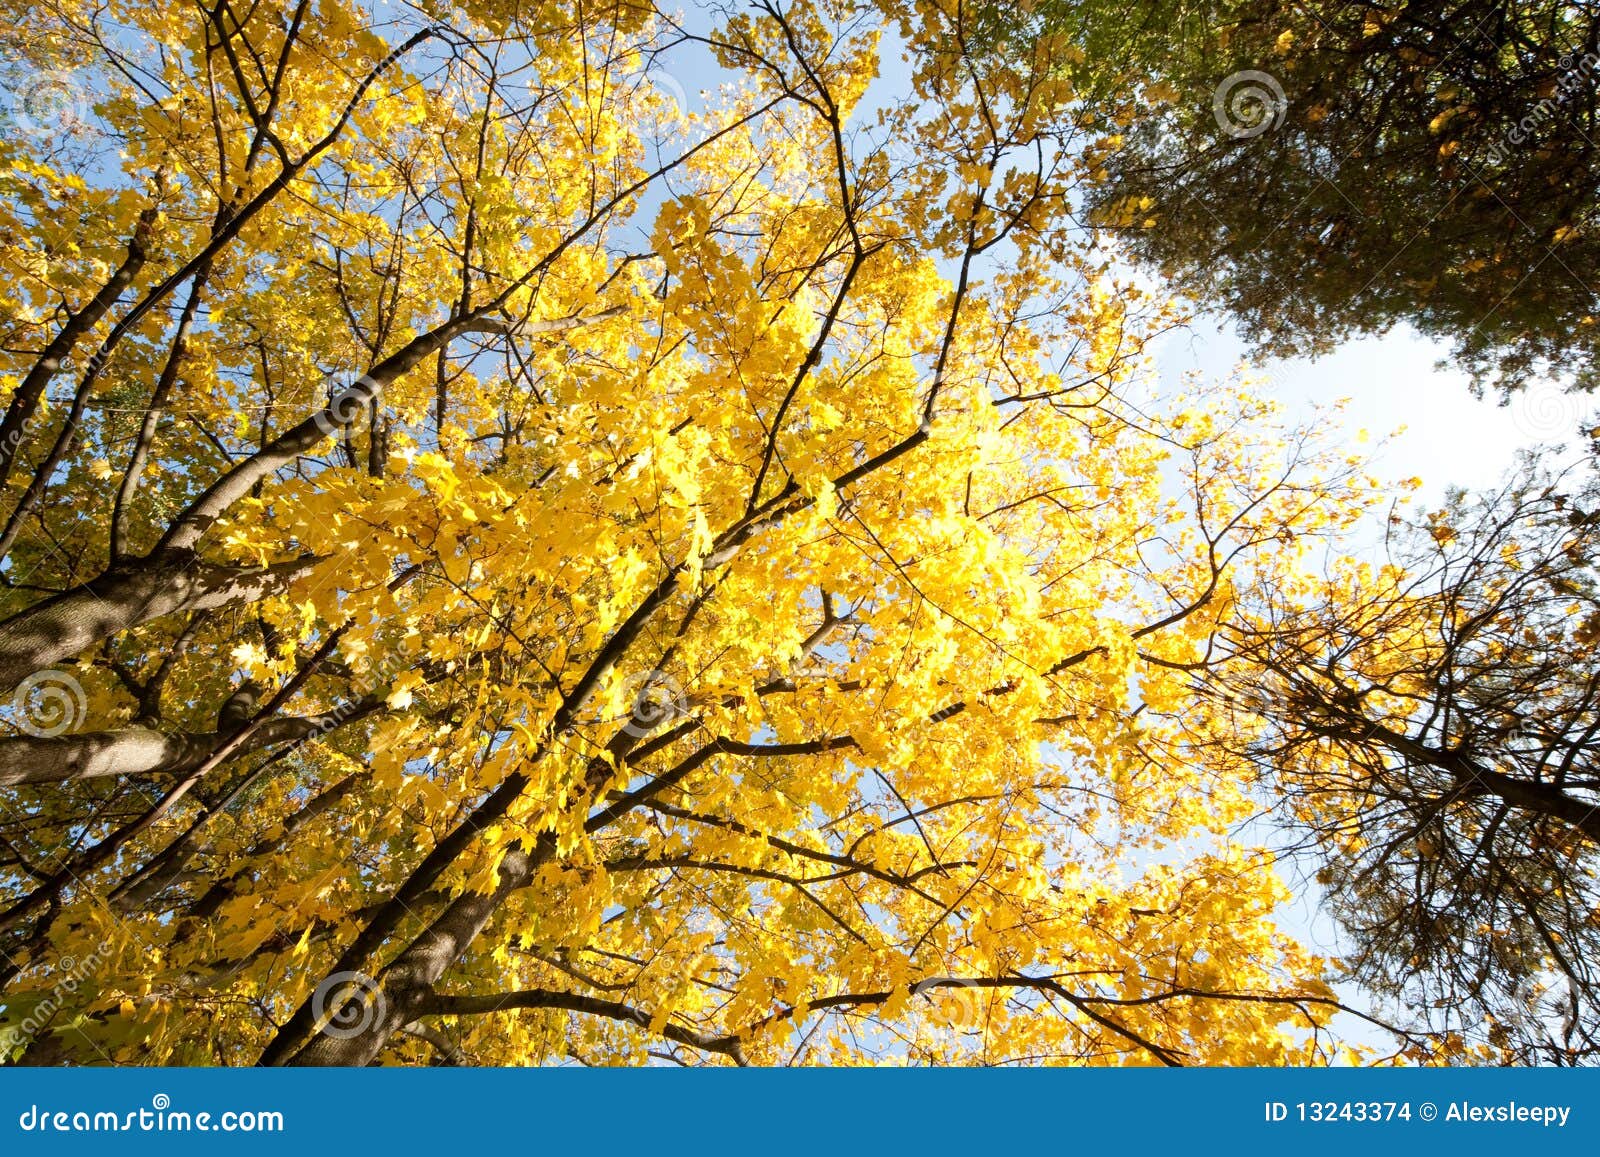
x=1429, y=727
x=1324, y=169
x=499, y=567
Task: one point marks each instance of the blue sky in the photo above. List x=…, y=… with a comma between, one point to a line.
x=1447, y=437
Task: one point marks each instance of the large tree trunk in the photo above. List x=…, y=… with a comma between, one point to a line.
x=71, y=622
x=130, y=751
x=407, y=984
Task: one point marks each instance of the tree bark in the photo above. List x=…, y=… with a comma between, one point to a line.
x=69, y=623
x=130, y=751
x=407, y=984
